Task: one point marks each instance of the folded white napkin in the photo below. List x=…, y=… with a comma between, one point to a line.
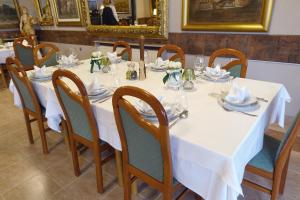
x=113, y=57
x=8, y=44
x=237, y=94
x=68, y=60
x=40, y=71
x=25, y=43
x=216, y=71
x=97, y=54
x=93, y=86
x=145, y=108
x=175, y=64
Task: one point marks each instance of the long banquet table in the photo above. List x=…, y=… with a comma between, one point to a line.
x=210, y=148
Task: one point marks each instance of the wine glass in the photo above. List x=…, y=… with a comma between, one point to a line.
x=146, y=57
x=58, y=59
x=199, y=63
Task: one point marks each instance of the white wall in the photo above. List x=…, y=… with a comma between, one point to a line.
x=284, y=21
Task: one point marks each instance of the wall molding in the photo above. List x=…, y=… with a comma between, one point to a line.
x=277, y=48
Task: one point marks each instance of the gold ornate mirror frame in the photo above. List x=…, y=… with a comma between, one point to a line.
x=154, y=32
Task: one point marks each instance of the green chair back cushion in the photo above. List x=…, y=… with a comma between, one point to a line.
x=24, y=93
x=25, y=55
x=125, y=56
x=287, y=134
x=144, y=151
x=235, y=71
x=51, y=61
x=77, y=115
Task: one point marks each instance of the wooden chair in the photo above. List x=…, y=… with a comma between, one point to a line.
x=126, y=53
x=81, y=122
x=237, y=67
x=49, y=56
x=2, y=71
x=24, y=53
x=145, y=147
x=32, y=109
x=273, y=160
x=171, y=48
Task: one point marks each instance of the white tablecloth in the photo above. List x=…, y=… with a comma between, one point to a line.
x=210, y=148
x=4, y=53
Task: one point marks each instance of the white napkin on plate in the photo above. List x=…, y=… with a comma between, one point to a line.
x=237, y=94
x=40, y=71
x=8, y=44
x=93, y=86
x=175, y=64
x=145, y=108
x=68, y=60
x=216, y=71
x=97, y=54
x=113, y=57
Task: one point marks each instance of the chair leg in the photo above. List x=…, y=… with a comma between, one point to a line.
x=283, y=176
x=28, y=126
x=119, y=167
x=66, y=133
x=127, y=185
x=99, y=176
x=3, y=77
x=75, y=158
x=43, y=136
x=167, y=195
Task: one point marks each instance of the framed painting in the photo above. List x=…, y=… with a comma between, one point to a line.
x=122, y=6
x=43, y=9
x=67, y=12
x=9, y=14
x=226, y=15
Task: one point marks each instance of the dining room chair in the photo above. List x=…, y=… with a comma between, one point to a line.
x=32, y=109
x=237, y=67
x=2, y=71
x=176, y=52
x=24, y=53
x=273, y=160
x=49, y=55
x=81, y=122
x=145, y=147
x=126, y=53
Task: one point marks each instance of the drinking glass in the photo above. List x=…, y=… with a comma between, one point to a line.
x=146, y=57
x=58, y=59
x=199, y=63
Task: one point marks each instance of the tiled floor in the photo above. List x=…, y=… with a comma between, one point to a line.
x=27, y=174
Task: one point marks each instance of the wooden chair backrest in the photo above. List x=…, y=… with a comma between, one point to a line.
x=23, y=85
x=127, y=49
x=286, y=145
x=51, y=51
x=179, y=53
x=159, y=133
x=241, y=59
x=79, y=116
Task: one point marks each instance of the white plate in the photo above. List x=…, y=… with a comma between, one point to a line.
x=250, y=101
x=249, y=108
x=150, y=112
x=100, y=96
x=97, y=92
x=172, y=115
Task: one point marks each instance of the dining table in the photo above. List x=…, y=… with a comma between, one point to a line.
x=210, y=148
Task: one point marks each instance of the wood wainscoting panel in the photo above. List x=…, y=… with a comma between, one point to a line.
x=277, y=48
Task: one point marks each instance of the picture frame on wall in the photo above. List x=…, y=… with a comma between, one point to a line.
x=226, y=15
x=44, y=12
x=67, y=12
x=9, y=14
x=123, y=6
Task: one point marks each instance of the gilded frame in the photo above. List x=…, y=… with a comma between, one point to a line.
x=262, y=26
x=153, y=32
x=71, y=21
x=12, y=25
x=43, y=21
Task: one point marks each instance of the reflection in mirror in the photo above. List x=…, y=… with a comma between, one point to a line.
x=123, y=12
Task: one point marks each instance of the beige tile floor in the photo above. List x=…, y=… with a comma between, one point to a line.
x=27, y=174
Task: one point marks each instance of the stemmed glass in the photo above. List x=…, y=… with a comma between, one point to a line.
x=146, y=57
x=58, y=59
x=199, y=63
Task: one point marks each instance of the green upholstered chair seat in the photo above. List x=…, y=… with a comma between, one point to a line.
x=235, y=71
x=266, y=158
